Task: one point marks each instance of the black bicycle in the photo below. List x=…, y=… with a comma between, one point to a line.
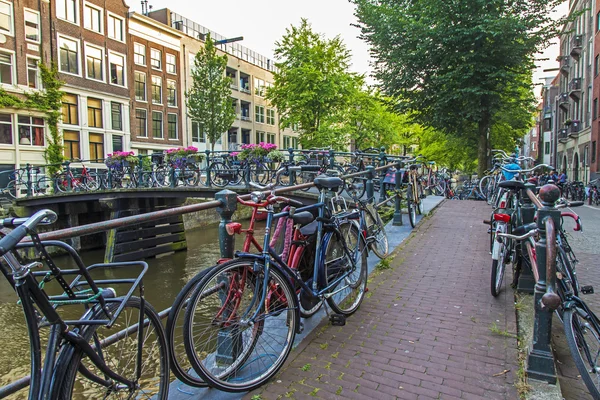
x=117, y=347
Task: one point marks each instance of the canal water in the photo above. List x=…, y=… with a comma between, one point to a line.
x=163, y=281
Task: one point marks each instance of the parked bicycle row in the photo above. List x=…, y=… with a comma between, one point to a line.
x=527, y=233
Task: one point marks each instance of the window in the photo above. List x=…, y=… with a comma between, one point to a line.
x=6, y=17
x=141, y=117
x=115, y=28
x=6, y=135
x=271, y=138
x=31, y=130
x=157, y=125
x=93, y=62
x=594, y=151
x=67, y=10
x=96, y=146
x=286, y=142
x=117, y=68
x=32, y=25
x=172, y=93
x=70, y=112
x=295, y=143
x=260, y=114
x=270, y=116
x=117, y=142
x=6, y=70
x=32, y=73
x=155, y=58
x=596, y=65
x=598, y=22
x=115, y=116
x=71, y=143
x=94, y=113
x=139, y=54
x=68, y=55
x=595, y=109
x=259, y=87
x=198, y=133
x=533, y=146
x=172, y=126
x=140, y=86
x=171, y=66
x=546, y=147
x=156, y=90
x=92, y=18
x=260, y=137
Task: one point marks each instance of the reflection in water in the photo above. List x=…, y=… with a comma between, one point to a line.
x=165, y=277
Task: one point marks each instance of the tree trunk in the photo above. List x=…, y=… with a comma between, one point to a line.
x=482, y=149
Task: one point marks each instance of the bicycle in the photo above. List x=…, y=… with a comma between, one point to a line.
x=250, y=306
x=18, y=183
x=118, y=345
x=66, y=181
x=414, y=192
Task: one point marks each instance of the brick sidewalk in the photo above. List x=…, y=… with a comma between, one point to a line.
x=424, y=330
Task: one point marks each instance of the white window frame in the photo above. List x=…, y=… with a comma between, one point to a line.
x=160, y=59
x=152, y=91
x=135, y=54
x=167, y=55
x=257, y=114
x=175, y=84
x=13, y=67
x=114, y=53
x=102, y=66
x=136, y=121
x=110, y=15
x=176, y=126
x=145, y=86
x=65, y=17
x=162, y=124
x=38, y=77
x=79, y=58
x=86, y=21
x=11, y=32
x=39, y=30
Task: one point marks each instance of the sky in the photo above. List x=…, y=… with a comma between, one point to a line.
x=263, y=22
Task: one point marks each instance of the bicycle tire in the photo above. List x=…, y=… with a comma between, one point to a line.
x=179, y=362
x=498, y=267
x=282, y=176
x=11, y=189
x=44, y=186
x=91, y=182
x=259, y=354
x=349, y=292
x=412, y=213
x=62, y=183
x=355, y=187
x=581, y=333
x=419, y=199
x=155, y=368
x=259, y=173
x=376, y=230
x=219, y=174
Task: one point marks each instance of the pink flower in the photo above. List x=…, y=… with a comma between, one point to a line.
x=234, y=153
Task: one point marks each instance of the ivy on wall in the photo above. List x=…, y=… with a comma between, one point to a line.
x=49, y=101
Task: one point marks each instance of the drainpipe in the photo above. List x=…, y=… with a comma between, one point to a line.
x=184, y=103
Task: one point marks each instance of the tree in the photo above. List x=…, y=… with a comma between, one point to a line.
x=209, y=99
x=453, y=62
x=312, y=86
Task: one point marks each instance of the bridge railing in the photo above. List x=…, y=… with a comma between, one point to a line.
x=210, y=169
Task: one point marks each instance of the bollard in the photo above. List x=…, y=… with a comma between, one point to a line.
x=382, y=193
x=292, y=173
x=331, y=159
x=229, y=343
x=208, y=180
x=370, y=187
x=526, y=282
x=540, y=362
x=67, y=165
x=140, y=170
x=29, y=185
x=397, y=221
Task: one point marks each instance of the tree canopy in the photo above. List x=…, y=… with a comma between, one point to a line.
x=459, y=65
x=209, y=99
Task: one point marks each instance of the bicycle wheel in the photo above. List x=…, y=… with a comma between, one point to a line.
x=180, y=364
x=498, y=267
x=355, y=187
x=148, y=368
x=44, y=186
x=189, y=175
x=220, y=174
x=348, y=292
x=419, y=196
x=259, y=173
x=583, y=339
x=412, y=212
x=91, y=182
x=235, y=339
x=376, y=232
x=62, y=184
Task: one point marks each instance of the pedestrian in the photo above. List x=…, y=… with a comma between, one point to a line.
x=562, y=178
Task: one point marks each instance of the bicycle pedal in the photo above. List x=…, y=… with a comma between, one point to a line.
x=337, y=319
x=589, y=289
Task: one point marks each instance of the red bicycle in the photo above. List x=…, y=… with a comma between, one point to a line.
x=86, y=181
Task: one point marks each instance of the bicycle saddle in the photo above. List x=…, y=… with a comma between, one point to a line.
x=303, y=218
x=328, y=182
x=512, y=185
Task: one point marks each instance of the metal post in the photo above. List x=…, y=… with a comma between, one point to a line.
x=292, y=173
x=229, y=343
x=331, y=159
x=173, y=182
x=29, y=183
x=67, y=165
x=397, y=221
x=526, y=281
x=540, y=362
x=208, y=180
x=140, y=170
x=247, y=174
x=369, y=185
x=109, y=179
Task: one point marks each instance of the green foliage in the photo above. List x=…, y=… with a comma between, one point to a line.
x=209, y=99
x=313, y=86
x=48, y=100
x=457, y=65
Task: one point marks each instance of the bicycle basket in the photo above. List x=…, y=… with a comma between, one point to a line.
x=510, y=175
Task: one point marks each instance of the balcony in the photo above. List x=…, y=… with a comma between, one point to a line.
x=547, y=112
x=562, y=135
x=563, y=101
x=575, y=89
x=576, y=46
x=564, y=65
x=244, y=83
x=574, y=128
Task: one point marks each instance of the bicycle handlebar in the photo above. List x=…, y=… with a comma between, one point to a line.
x=519, y=238
x=9, y=242
x=525, y=170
